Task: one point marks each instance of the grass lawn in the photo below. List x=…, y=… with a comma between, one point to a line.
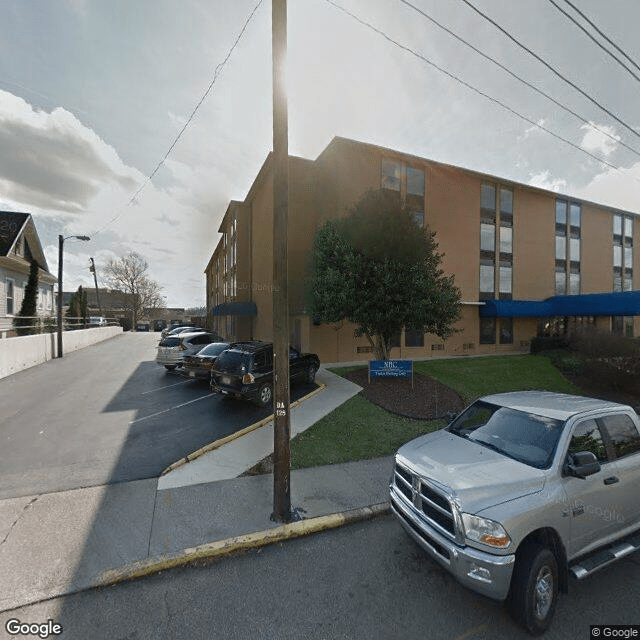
x=356, y=430
x=475, y=377
x=359, y=430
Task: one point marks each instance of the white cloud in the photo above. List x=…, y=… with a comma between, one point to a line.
x=75, y=183
x=51, y=161
x=598, y=140
x=614, y=188
x=544, y=180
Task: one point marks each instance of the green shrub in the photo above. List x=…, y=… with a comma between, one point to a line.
x=547, y=343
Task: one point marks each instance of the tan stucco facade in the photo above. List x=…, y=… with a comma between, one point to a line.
x=326, y=189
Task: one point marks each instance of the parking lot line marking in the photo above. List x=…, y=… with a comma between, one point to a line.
x=184, y=404
x=175, y=384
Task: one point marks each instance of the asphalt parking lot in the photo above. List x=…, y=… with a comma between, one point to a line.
x=106, y=414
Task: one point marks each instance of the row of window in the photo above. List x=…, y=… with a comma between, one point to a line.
x=622, y=253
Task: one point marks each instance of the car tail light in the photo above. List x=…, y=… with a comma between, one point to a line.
x=248, y=378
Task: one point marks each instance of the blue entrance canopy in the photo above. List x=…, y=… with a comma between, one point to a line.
x=623, y=303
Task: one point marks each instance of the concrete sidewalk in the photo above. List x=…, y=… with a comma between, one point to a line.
x=61, y=543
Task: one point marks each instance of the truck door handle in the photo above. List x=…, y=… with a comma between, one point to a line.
x=611, y=480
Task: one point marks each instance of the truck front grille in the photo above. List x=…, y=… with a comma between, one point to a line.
x=433, y=504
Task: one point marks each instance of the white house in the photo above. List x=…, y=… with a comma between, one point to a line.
x=19, y=245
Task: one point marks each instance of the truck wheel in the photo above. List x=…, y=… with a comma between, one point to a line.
x=170, y=367
x=265, y=395
x=534, y=588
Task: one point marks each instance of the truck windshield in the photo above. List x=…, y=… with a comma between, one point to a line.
x=523, y=436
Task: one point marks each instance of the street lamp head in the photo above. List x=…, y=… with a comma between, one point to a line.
x=85, y=238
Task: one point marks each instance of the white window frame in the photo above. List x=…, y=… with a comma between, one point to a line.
x=13, y=296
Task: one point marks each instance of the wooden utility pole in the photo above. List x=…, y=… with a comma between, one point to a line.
x=280, y=160
x=92, y=268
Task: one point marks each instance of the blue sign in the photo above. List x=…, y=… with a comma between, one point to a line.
x=391, y=369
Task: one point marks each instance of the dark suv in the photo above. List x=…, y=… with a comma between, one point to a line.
x=245, y=370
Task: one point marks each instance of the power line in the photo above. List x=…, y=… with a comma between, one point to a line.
x=520, y=79
x=551, y=68
x=594, y=39
x=470, y=86
x=216, y=73
x=609, y=40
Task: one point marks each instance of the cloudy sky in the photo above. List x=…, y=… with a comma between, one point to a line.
x=94, y=92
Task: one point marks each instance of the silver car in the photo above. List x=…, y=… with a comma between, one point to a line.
x=173, y=349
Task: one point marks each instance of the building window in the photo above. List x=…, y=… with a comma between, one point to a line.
x=506, y=330
x=487, y=330
x=628, y=327
x=409, y=183
x=622, y=253
x=10, y=295
x=506, y=240
x=487, y=237
x=487, y=278
x=413, y=338
x=391, y=174
x=568, y=235
x=506, y=276
x=617, y=325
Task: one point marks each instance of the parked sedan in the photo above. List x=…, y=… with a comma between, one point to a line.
x=173, y=349
x=181, y=328
x=199, y=365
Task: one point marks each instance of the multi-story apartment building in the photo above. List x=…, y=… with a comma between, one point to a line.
x=526, y=260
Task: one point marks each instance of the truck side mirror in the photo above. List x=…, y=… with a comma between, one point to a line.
x=581, y=464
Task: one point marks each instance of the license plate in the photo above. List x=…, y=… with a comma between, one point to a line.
x=226, y=380
x=192, y=374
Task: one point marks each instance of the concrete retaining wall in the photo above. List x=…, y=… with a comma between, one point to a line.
x=23, y=352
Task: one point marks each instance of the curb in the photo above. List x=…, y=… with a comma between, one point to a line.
x=237, y=544
x=216, y=444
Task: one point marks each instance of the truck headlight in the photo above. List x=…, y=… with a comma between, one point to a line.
x=485, y=531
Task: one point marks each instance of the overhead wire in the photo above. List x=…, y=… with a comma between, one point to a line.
x=551, y=68
x=604, y=35
x=594, y=39
x=520, y=79
x=216, y=74
x=470, y=86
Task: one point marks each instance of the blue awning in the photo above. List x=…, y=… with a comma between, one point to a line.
x=624, y=303
x=246, y=309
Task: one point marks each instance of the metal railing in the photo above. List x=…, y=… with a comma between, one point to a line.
x=33, y=325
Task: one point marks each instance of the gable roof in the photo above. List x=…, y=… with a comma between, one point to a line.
x=13, y=226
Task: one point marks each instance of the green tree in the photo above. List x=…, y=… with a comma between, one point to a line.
x=77, y=311
x=26, y=319
x=377, y=269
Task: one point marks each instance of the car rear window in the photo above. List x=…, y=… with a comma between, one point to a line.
x=233, y=362
x=169, y=342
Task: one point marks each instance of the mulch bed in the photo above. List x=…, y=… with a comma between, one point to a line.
x=427, y=400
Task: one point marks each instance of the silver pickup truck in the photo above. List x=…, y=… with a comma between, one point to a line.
x=522, y=490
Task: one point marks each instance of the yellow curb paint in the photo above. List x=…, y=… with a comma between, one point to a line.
x=216, y=444
x=239, y=543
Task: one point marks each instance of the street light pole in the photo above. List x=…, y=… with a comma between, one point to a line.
x=60, y=251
